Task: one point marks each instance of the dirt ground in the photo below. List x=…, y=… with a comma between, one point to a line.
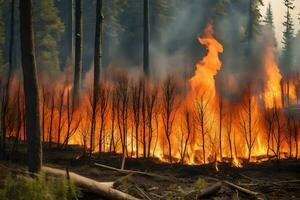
x=270, y=179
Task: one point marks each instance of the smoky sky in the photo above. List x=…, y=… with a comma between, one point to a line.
x=279, y=12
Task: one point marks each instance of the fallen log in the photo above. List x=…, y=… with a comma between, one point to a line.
x=241, y=188
x=211, y=190
x=126, y=171
x=102, y=189
x=143, y=193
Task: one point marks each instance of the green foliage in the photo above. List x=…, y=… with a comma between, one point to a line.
x=164, y=11
x=200, y=183
x=48, y=30
x=269, y=23
x=112, y=11
x=40, y=188
x=288, y=36
x=254, y=18
x=269, y=19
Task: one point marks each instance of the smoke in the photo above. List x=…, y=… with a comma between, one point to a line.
x=243, y=61
x=177, y=48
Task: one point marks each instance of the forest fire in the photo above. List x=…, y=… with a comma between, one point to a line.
x=153, y=120
x=165, y=99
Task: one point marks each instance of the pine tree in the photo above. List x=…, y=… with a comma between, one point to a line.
x=254, y=19
x=162, y=14
x=113, y=28
x=112, y=11
x=66, y=14
x=48, y=30
x=269, y=19
x=296, y=46
x=288, y=36
x=269, y=24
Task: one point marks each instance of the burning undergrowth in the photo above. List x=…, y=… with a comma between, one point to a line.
x=216, y=115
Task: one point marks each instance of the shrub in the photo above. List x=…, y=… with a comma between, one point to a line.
x=40, y=188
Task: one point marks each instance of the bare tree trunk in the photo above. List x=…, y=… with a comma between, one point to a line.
x=51, y=121
x=113, y=114
x=157, y=125
x=97, y=68
x=229, y=130
x=19, y=124
x=278, y=134
x=30, y=88
x=60, y=117
x=78, y=52
x=136, y=101
x=188, y=129
x=150, y=102
x=69, y=119
x=290, y=130
x=169, y=94
x=6, y=95
x=144, y=118
x=146, y=37
x=296, y=138
x=43, y=113
x=249, y=128
x=103, y=101
x=220, y=128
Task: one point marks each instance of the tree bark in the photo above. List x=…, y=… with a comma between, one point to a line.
x=220, y=128
x=103, y=189
x=97, y=68
x=34, y=150
x=146, y=37
x=78, y=52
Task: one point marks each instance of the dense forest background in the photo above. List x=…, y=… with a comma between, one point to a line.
x=175, y=25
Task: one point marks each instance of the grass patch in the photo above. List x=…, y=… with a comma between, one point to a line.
x=40, y=188
x=200, y=183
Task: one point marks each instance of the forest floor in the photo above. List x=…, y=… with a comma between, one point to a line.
x=269, y=179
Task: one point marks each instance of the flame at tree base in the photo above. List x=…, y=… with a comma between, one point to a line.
x=141, y=118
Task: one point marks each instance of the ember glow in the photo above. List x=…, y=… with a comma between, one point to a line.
x=198, y=127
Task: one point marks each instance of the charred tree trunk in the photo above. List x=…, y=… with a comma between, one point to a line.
x=43, y=113
x=169, y=94
x=229, y=130
x=278, y=134
x=6, y=95
x=146, y=37
x=51, y=121
x=113, y=116
x=19, y=124
x=97, y=68
x=249, y=142
x=150, y=102
x=34, y=150
x=78, y=52
x=290, y=130
x=69, y=119
x=60, y=117
x=104, y=98
x=220, y=128
x=188, y=130
x=144, y=119
x=136, y=100
x=296, y=138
